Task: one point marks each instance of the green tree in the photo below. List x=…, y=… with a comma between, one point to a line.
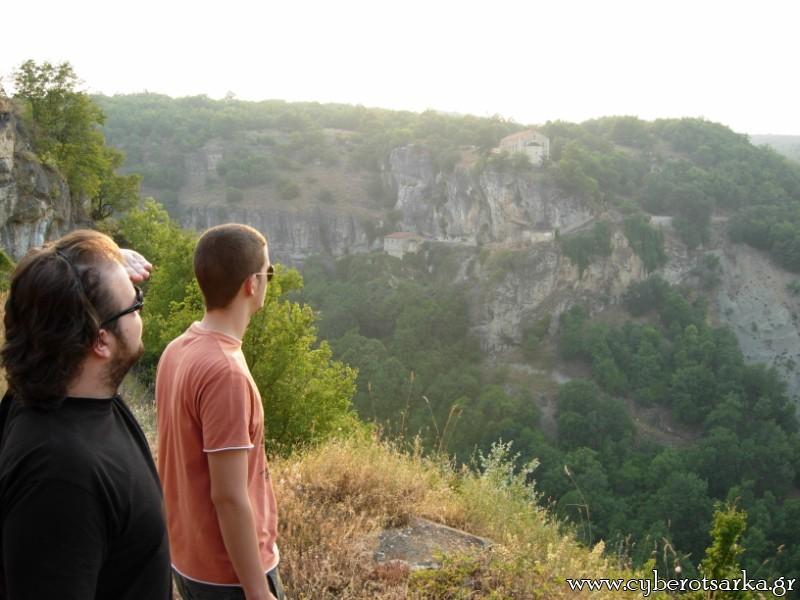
x=496, y=415
x=172, y=289
x=589, y=501
x=532, y=336
x=693, y=392
x=382, y=379
x=721, y=559
x=306, y=393
x=65, y=129
x=587, y=417
x=571, y=326
x=646, y=241
x=683, y=504
x=582, y=247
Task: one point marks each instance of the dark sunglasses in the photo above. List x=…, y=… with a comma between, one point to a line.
x=270, y=272
x=137, y=305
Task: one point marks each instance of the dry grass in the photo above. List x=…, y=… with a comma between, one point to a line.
x=335, y=499
x=141, y=400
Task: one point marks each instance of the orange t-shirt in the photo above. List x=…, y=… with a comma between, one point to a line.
x=207, y=401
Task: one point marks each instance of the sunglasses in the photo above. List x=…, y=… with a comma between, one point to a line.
x=270, y=272
x=136, y=306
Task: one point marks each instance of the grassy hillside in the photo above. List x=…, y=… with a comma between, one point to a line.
x=336, y=498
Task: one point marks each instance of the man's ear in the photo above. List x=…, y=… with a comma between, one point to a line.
x=249, y=285
x=102, y=344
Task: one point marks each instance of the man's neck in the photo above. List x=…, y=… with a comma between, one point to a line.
x=232, y=321
x=90, y=385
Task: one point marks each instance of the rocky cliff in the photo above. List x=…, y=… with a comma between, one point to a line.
x=467, y=205
x=478, y=205
x=35, y=203
x=501, y=224
x=292, y=235
x=755, y=300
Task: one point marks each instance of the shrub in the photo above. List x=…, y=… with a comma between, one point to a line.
x=533, y=334
x=582, y=247
x=647, y=241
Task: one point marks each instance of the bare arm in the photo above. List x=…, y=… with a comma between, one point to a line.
x=228, y=471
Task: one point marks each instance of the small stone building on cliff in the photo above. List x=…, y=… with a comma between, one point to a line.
x=536, y=145
x=402, y=242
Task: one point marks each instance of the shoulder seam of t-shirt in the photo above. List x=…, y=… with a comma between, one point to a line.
x=230, y=365
x=214, y=334
x=228, y=373
x=227, y=367
x=210, y=450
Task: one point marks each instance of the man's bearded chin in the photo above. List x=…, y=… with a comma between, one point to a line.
x=121, y=363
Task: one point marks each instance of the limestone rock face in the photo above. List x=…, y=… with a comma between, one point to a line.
x=491, y=206
x=461, y=206
x=292, y=235
x=754, y=301
x=35, y=204
x=502, y=226
x=543, y=282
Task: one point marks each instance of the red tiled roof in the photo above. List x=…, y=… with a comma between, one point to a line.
x=528, y=133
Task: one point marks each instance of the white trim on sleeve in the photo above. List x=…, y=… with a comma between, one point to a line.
x=250, y=447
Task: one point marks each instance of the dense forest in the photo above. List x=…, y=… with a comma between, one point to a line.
x=419, y=371
x=405, y=325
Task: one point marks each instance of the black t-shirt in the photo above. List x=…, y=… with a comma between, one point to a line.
x=81, y=505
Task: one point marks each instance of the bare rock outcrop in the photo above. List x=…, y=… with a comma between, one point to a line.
x=35, y=203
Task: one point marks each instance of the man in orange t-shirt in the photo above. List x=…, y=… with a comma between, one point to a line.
x=221, y=513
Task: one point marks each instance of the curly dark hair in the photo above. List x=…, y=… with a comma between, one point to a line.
x=54, y=309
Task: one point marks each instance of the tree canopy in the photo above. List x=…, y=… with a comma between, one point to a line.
x=65, y=128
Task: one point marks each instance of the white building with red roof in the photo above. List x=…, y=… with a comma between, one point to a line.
x=536, y=145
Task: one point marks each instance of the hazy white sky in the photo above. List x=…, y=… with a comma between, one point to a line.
x=531, y=60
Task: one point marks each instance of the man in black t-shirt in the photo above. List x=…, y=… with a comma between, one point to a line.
x=80, y=502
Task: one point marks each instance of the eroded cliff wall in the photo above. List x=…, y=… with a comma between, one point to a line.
x=478, y=205
x=499, y=221
x=35, y=203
